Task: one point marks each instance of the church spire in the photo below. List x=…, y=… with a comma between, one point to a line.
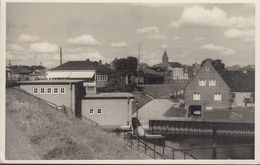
x=165, y=59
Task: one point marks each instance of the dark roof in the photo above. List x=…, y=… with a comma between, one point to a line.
x=239, y=81
x=21, y=70
x=81, y=65
x=175, y=65
x=165, y=55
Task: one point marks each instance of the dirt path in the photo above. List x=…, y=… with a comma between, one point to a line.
x=17, y=146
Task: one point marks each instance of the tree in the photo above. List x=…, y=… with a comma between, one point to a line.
x=217, y=64
x=126, y=66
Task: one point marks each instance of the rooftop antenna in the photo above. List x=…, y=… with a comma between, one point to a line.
x=60, y=55
x=9, y=63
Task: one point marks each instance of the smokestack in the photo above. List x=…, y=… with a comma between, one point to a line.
x=60, y=55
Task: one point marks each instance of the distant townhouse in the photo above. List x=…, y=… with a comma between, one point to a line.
x=90, y=71
x=38, y=74
x=178, y=71
x=210, y=89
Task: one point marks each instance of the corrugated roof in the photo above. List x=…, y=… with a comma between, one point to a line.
x=49, y=81
x=81, y=65
x=239, y=81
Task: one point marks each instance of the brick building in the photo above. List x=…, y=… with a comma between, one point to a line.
x=210, y=89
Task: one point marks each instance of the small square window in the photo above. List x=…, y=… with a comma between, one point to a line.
x=35, y=91
x=91, y=111
x=212, y=82
x=49, y=91
x=196, y=96
x=55, y=90
x=217, y=97
x=42, y=90
x=62, y=90
x=99, y=111
x=202, y=82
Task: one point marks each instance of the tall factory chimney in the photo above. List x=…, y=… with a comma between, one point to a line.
x=60, y=55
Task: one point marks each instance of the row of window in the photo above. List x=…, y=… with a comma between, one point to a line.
x=49, y=90
x=203, y=82
x=91, y=111
x=102, y=77
x=217, y=96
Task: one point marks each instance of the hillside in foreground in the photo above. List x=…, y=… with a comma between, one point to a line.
x=50, y=134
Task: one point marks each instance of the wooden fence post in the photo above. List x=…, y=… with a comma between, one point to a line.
x=153, y=150
x=173, y=153
x=138, y=141
x=145, y=149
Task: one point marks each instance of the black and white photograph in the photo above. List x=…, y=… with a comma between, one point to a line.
x=138, y=81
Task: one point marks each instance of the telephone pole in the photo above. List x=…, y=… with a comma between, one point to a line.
x=138, y=61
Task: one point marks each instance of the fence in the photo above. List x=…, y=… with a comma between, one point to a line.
x=154, y=149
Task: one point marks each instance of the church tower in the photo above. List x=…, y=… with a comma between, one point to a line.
x=165, y=59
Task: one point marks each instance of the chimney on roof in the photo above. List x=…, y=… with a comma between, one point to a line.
x=99, y=62
x=87, y=60
x=60, y=55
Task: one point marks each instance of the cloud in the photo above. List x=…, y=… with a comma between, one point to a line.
x=215, y=17
x=246, y=35
x=154, y=4
x=43, y=47
x=92, y=55
x=220, y=49
x=85, y=40
x=176, y=38
x=164, y=46
x=157, y=37
x=119, y=45
x=10, y=56
x=148, y=30
x=198, y=39
x=14, y=47
x=28, y=38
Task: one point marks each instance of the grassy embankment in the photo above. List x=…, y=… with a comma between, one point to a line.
x=58, y=136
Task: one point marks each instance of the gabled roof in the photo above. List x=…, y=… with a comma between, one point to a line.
x=81, y=65
x=239, y=81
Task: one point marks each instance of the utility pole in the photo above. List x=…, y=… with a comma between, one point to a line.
x=60, y=55
x=138, y=61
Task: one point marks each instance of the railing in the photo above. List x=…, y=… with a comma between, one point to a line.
x=64, y=109
x=165, y=152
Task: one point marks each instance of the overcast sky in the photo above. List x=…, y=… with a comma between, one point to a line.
x=189, y=32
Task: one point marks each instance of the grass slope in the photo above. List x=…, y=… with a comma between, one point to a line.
x=58, y=136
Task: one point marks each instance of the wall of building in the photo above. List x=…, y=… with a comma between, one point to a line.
x=207, y=92
x=115, y=112
x=239, y=98
x=67, y=99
